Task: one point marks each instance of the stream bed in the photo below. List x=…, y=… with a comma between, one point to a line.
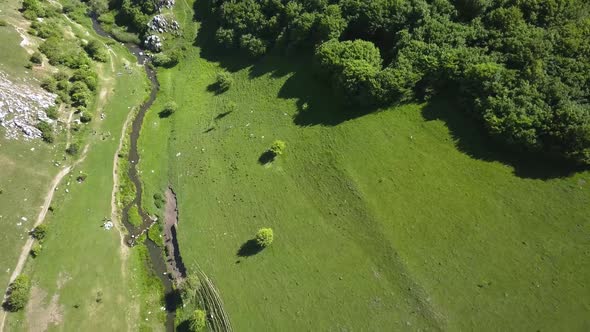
x=166, y=269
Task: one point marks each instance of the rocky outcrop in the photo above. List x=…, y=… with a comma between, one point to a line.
x=22, y=106
x=153, y=43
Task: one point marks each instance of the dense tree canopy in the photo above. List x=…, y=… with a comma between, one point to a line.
x=521, y=67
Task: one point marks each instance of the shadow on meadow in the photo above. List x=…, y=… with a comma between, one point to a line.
x=318, y=105
x=249, y=248
x=469, y=139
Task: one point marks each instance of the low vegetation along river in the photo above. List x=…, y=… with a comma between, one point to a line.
x=172, y=268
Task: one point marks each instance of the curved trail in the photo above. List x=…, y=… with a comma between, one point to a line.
x=26, y=249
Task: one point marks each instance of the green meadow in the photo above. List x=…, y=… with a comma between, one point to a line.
x=401, y=219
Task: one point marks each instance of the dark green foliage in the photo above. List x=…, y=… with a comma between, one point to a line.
x=225, y=37
x=521, y=67
x=37, y=58
x=63, y=52
x=96, y=50
x=169, y=108
x=80, y=94
x=98, y=6
x=18, y=293
x=159, y=200
x=264, y=237
x=52, y=112
x=45, y=29
x=39, y=232
x=253, y=45
x=3, y=23
x=46, y=131
x=36, y=250
x=85, y=117
x=138, y=13
x=224, y=80
x=86, y=76
x=168, y=59
x=73, y=149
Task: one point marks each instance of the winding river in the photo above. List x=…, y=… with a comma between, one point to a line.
x=158, y=263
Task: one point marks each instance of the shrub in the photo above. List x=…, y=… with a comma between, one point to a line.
x=51, y=112
x=197, y=321
x=36, y=250
x=85, y=75
x=96, y=50
x=73, y=149
x=166, y=60
x=46, y=131
x=278, y=147
x=159, y=200
x=133, y=216
x=80, y=94
x=37, y=58
x=3, y=23
x=264, y=237
x=39, y=232
x=18, y=293
x=85, y=117
x=224, y=80
x=169, y=108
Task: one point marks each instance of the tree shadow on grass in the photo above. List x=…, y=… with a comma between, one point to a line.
x=470, y=138
x=316, y=102
x=266, y=157
x=249, y=248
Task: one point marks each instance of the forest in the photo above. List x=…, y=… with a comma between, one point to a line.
x=521, y=68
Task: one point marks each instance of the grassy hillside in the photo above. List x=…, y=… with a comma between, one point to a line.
x=401, y=219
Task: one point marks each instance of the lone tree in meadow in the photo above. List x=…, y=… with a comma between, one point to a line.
x=277, y=148
x=224, y=81
x=169, y=108
x=264, y=237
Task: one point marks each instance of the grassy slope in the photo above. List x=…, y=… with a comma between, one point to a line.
x=381, y=222
x=79, y=258
x=27, y=166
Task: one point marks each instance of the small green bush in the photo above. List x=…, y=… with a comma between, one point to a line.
x=18, y=293
x=85, y=117
x=224, y=80
x=198, y=320
x=159, y=200
x=46, y=131
x=169, y=109
x=39, y=232
x=278, y=147
x=36, y=250
x=96, y=51
x=73, y=149
x=3, y=23
x=264, y=237
x=51, y=112
x=37, y=58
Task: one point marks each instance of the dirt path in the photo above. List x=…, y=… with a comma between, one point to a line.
x=26, y=249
